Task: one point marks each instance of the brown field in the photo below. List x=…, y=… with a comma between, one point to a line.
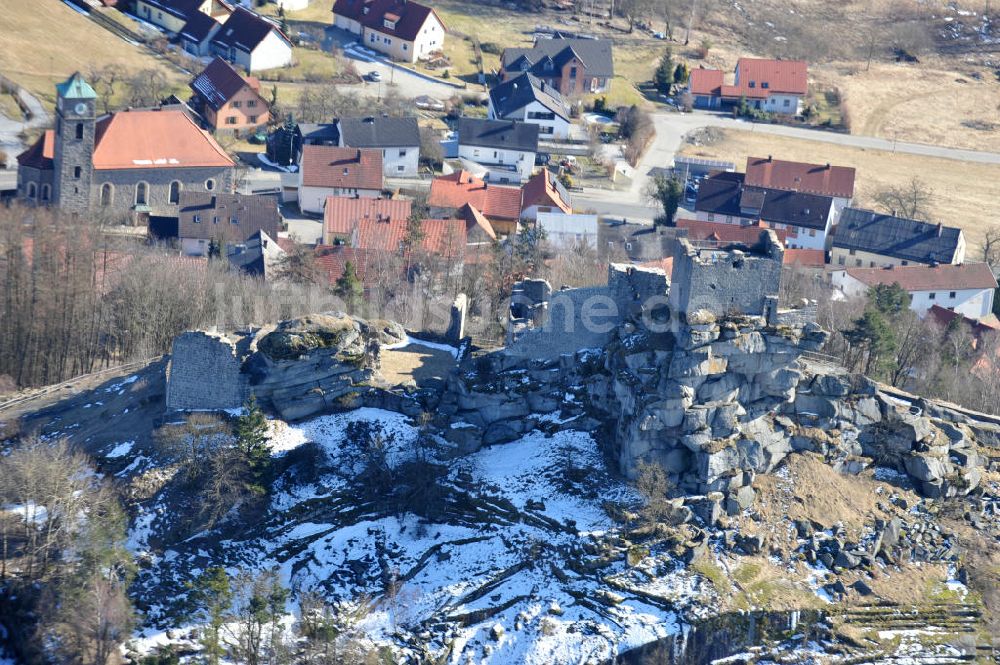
x=44, y=41
x=964, y=194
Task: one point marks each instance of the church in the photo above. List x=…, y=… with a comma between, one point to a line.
x=127, y=166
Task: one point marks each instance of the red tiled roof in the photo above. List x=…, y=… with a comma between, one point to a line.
x=345, y=168
x=342, y=213
x=331, y=259
x=541, y=190
x=459, y=188
x=706, y=81
x=944, y=277
x=767, y=76
x=807, y=258
x=665, y=264
x=475, y=220
x=977, y=327
x=409, y=16
x=148, y=139
x=39, y=155
x=721, y=232
x=441, y=237
x=800, y=177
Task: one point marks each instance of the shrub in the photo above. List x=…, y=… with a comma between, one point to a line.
x=447, y=74
x=491, y=47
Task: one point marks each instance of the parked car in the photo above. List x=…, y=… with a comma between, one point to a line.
x=542, y=159
x=659, y=35
x=374, y=76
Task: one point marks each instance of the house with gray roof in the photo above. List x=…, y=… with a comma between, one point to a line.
x=868, y=239
x=505, y=148
x=397, y=138
x=526, y=98
x=571, y=66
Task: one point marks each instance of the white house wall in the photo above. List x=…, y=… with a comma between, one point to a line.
x=313, y=199
x=271, y=53
x=523, y=162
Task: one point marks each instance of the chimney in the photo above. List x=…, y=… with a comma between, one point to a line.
x=769, y=159
x=893, y=212
x=828, y=166
x=940, y=229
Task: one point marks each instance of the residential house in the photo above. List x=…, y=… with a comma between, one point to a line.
x=807, y=218
x=173, y=15
x=334, y=171
x=252, y=42
x=228, y=100
x=226, y=219
x=342, y=215
x=980, y=330
x=507, y=149
x=544, y=194
x=127, y=166
x=572, y=66
x=776, y=86
x=259, y=256
x=965, y=288
x=501, y=205
x=566, y=231
x=873, y=240
x=526, y=98
x=401, y=29
x=479, y=231
x=824, y=179
x=397, y=138
x=196, y=35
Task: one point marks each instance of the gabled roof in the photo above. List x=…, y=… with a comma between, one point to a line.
x=219, y=82
x=516, y=93
x=179, y=8
x=806, y=258
x=245, y=30
x=145, y=139
x=409, y=16
x=459, y=188
x=595, y=54
x=779, y=76
x=313, y=132
x=943, y=277
x=369, y=265
x=722, y=232
x=345, y=168
x=227, y=217
x=441, y=237
x=978, y=327
x=898, y=237
x=543, y=189
x=499, y=134
x=477, y=227
x=41, y=152
x=706, y=81
x=800, y=177
x=76, y=88
x=379, y=132
x=199, y=27
x=725, y=194
x=343, y=213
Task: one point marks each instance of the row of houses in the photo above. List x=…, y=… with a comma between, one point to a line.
x=810, y=207
x=220, y=28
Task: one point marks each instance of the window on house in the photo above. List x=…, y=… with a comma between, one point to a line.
x=572, y=72
x=765, y=85
x=231, y=120
x=871, y=264
x=77, y=172
x=788, y=102
x=46, y=192
x=952, y=294
x=812, y=233
x=857, y=262
x=906, y=263
x=209, y=184
x=400, y=167
x=841, y=261
x=252, y=118
x=234, y=220
x=711, y=217
x=753, y=84
x=141, y=194
x=251, y=103
x=215, y=219
x=402, y=153
x=197, y=219
x=853, y=252
x=107, y=194
x=174, y=192
x=79, y=130
x=406, y=47
x=931, y=295
x=32, y=190
x=236, y=104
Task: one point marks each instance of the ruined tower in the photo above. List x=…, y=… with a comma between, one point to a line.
x=73, y=158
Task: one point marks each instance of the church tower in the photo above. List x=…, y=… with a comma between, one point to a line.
x=73, y=157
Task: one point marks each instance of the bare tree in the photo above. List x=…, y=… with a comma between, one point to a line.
x=911, y=200
x=991, y=249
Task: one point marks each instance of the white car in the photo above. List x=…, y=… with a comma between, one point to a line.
x=374, y=76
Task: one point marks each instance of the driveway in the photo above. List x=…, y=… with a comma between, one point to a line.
x=405, y=82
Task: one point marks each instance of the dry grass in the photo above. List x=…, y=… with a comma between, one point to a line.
x=44, y=41
x=964, y=194
x=421, y=364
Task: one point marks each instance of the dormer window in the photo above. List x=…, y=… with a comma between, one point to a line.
x=765, y=85
x=365, y=10
x=753, y=84
x=389, y=23
x=548, y=66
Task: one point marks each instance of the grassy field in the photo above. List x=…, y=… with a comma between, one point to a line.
x=44, y=41
x=964, y=194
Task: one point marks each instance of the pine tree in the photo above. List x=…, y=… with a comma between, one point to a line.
x=349, y=286
x=251, y=439
x=663, y=78
x=681, y=74
x=211, y=597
